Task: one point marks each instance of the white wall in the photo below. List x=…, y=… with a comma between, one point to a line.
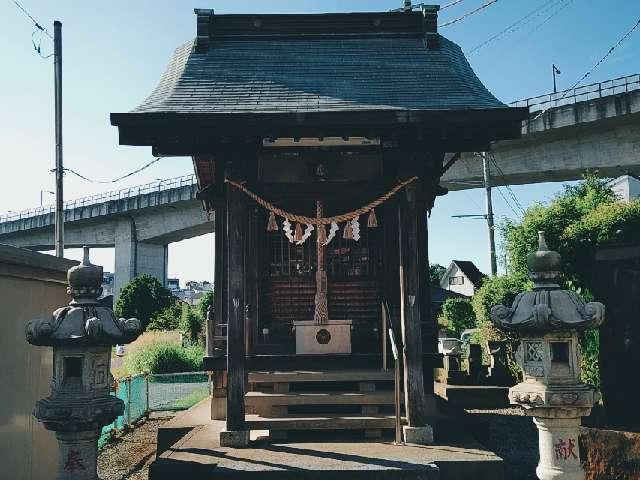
x=465, y=289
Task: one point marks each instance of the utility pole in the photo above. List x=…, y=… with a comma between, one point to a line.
x=57, y=67
x=487, y=189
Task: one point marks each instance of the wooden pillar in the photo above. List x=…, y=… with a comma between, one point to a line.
x=219, y=273
x=429, y=327
x=236, y=216
x=412, y=242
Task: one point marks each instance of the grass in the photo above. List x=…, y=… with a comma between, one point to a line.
x=190, y=400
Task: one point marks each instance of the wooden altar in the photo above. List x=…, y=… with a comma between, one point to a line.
x=310, y=111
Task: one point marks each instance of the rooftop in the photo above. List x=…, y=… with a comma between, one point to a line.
x=257, y=66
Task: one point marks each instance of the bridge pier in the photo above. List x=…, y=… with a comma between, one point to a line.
x=134, y=258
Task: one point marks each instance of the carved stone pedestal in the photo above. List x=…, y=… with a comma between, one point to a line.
x=78, y=452
x=558, y=430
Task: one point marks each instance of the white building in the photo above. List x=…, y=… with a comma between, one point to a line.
x=462, y=277
x=626, y=187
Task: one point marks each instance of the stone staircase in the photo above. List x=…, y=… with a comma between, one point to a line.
x=301, y=401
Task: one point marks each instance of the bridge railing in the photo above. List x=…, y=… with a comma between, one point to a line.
x=580, y=94
x=157, y=186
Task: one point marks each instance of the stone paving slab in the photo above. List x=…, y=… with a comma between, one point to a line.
x=199, y=456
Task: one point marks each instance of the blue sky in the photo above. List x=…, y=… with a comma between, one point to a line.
x=114, y=53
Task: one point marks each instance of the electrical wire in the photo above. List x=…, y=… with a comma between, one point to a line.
x=512, y=194
x=468, y=14
x=36, y=35
x=507, y=202
x=595, y=66
x=455, y=2
x=147, y=165
x=541, y=24
x=518, y=24
x=35, y=22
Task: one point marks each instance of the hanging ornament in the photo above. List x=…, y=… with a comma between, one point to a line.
x=332, y=232
x=286, y=228
x=307, y=234
x=355, y=229
x=372, y=221
x=347, y=234
x=272, y=225
x=297, y=237
x=322, y=235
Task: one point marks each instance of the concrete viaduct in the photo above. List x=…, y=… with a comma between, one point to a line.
x=138, y=223
x=595, y=127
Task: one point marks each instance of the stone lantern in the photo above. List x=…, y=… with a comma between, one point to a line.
x=548, y=320
x=81, y=334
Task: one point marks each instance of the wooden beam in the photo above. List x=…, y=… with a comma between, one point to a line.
x=328, y=362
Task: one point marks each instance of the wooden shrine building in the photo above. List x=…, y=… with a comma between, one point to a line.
x=319, y=141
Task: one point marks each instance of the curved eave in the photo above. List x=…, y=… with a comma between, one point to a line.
x=446, y=126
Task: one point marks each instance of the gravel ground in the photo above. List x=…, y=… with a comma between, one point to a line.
x=128, y=457
x=512, y=436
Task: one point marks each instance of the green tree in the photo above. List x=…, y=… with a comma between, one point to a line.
x=457, y=315
x=436, y=272
x=167, y=318
x=578, y=208
x=142, y=298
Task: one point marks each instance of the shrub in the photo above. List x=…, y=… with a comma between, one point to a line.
x=191, y=324
x=164, y=358
x=457, y=315
x=589, y=364
x=495, y=291
x=203, y=304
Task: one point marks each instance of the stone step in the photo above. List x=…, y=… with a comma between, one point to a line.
x=321, y=422
x=321, y=376
x=260, y=399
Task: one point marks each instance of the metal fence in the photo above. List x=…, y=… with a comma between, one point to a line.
x=146, y=393
x=157, y=186
x=580, y=94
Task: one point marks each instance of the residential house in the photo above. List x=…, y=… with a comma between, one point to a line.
x=462, y=277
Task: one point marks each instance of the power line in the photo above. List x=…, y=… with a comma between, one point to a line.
x=539, y=26
x=506, y=185
x=468, y=14
x=145, y=166
x=518, y=24
x=35, y=22
x=507, y=201
x=595, y=66
x=36, y=35
x=455, y=2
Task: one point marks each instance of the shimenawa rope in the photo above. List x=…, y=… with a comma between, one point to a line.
x=292, y=217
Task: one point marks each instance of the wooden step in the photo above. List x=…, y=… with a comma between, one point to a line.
x=321, y=376
x=260, y=399
x=323, y=422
